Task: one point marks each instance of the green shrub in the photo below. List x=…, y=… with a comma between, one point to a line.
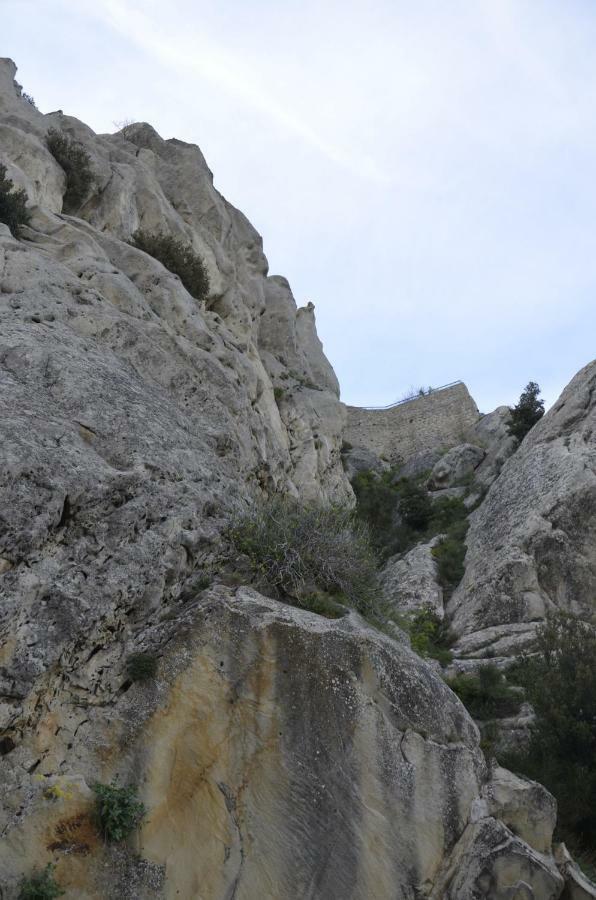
x=430, y=635
x=449, y=554
x=28, y=99
x=40, y=886
x=177, y=256
x=76, y=162
x=415, y=506
x=118, y=811
x=527, y=412
x=486, y=695
x=141, y=666
x=445, y=513
x=298, y=549
x=278, y=393
x=13, y=204
x=560, y=682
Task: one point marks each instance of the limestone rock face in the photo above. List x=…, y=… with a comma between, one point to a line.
x=531, y=543
x=524, y=806
x=409, y=582
x=491, y=433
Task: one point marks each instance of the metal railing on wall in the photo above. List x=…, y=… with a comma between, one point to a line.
x=417, y=396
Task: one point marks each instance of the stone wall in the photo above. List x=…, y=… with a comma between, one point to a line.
x=439, y=419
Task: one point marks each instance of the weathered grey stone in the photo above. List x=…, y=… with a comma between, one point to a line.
x=419, y=463
x=577, y=885
x=491, y=433
x=410, y=582
x=531, y=543
x=524, y=806
x=356, y=460
x=455, y=466
x=490, y=862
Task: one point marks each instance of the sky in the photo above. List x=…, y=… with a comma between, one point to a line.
x=424, y=172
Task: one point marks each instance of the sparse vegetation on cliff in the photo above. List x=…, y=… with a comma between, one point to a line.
x=560, y=682
x=486, y=695
x=177, y=256
x=40, y=886
x=299, y=549
x=118, y=811
x=430, y=635
x=76, y=162
x=13, y=204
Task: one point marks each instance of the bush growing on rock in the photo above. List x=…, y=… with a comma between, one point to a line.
x=141, y=666
x=40, y=886
x=117, y=811
x=76, y=162
x=13, y=204
x=430, y=635
x=449, y=554
x=527, y=412
x=298, y=549
x=177, y=256
x=560, y=681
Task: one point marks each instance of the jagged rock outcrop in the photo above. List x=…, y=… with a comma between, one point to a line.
x=531, y=542
x=279, y=754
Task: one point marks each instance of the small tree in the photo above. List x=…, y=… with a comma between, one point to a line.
x=76, y=162
x=13, y=204
x=527, y=412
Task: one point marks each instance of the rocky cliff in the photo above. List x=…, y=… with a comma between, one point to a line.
x=280, y=754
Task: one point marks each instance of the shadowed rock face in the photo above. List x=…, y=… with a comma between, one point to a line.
x=531, y=544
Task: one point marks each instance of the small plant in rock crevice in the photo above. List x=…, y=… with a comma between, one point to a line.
x=76, y=163
x=40, y=886
x=117, y=810
x=13, y=204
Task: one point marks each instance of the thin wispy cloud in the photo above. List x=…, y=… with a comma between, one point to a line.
x=205, y=58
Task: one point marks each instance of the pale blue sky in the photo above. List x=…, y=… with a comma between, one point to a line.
x=424, y=172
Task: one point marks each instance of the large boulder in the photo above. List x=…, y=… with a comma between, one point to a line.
x=457, y=465
x=279, y=755
x=531, y=544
